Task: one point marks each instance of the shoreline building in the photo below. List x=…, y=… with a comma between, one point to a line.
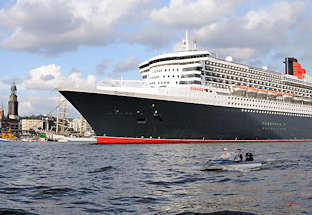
x=39, y=122
x=13, y=104
x=12, y=120
x=80, y=125
x=31, y=124
x=2, y=118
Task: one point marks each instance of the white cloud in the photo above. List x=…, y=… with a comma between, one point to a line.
x=281, y=14
x=154, y=36
x=239, y=53
x=102, y=67
x=3, y=99
x=124, y=66
x=54, y=26
x=217, y=25
x=191, y=14
x=3, y=86
x=49, y=77
x=28, y=107
x=256, y=33
x=35, y=105
x=32, y=102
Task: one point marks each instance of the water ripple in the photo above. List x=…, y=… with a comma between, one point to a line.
x=54, y=178
x=9, y=211
x=219, y=213
x=103, y=169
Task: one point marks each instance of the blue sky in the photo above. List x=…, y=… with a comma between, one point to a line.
x=75, y=43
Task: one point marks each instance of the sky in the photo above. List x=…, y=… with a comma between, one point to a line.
x=48, y=44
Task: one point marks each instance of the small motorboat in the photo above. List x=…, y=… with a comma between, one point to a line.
x=4, y=140
x=219, y=165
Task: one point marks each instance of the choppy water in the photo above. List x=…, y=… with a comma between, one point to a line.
x=81, y=178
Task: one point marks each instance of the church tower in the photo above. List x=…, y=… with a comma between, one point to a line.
x=13, y=104
x=1, y=117
x=1, y=113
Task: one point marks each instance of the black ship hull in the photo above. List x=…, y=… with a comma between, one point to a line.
x=127, y=116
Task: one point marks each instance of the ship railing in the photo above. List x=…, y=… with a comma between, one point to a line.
x=121, y=83
x=291, y=79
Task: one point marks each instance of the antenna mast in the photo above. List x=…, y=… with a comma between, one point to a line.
x=63, y=120
x=81, y=125
x=57, y=116
x=186, y=41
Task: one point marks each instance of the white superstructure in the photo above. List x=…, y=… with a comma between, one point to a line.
x=196, y=76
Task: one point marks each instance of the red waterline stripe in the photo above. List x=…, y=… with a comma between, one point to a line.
x=150, y=140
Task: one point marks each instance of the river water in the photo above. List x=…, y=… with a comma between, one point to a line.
x=84, y=178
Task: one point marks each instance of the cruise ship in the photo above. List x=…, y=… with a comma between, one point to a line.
x=193, y=96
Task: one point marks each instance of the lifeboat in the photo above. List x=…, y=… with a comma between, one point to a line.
x=288, y=96
x=252, y=90
x=307, y=100
x=262, y=91
x=272, y=93
x=297, y=99
x=239, y=88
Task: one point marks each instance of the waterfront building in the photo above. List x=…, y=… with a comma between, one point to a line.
x=13, y=104
x=32, y=124
x=75, y=124
x=2, y=118
x=13, y=118
x=11, y=122
x=80, y=125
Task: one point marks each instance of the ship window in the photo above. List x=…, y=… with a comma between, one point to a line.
x=192, y=68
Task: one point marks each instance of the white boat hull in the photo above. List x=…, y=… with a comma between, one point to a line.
x=232, y=166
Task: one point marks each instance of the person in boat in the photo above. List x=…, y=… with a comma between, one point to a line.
x=238, y=156
x=249, y=156
x=226, y=155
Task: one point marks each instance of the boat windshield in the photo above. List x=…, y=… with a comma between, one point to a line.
x=219, y=156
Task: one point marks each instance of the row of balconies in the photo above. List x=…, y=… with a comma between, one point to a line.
x=246, y=82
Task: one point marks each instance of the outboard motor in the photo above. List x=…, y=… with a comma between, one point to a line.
x=249, y=156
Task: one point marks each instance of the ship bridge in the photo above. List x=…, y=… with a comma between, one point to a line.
x=181, y=67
